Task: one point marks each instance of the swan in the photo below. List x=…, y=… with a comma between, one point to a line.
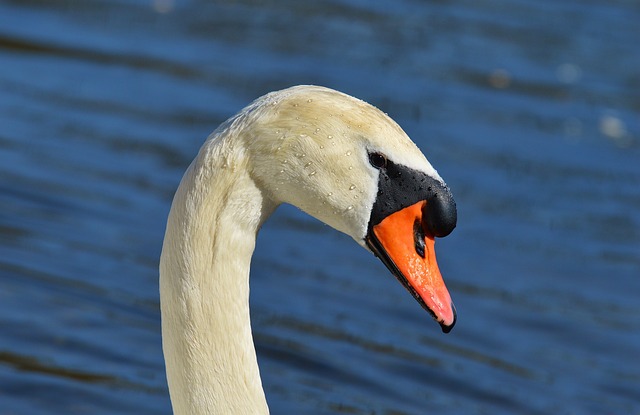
x=335, y=157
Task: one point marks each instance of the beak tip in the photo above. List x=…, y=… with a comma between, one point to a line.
x=446, y=328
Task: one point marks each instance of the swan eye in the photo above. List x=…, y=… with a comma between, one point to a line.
x=377, y=160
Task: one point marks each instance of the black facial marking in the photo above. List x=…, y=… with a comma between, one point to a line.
x=400, y=186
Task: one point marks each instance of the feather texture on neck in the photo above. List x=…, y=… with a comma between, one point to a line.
x=204, y=286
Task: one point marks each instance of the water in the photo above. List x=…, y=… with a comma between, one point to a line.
x=529, y=110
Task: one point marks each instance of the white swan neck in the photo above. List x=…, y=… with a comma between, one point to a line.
x=204, y=288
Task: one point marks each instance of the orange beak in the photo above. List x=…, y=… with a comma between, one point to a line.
x=403, y=243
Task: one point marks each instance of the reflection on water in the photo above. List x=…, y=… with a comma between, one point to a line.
x=529, y=110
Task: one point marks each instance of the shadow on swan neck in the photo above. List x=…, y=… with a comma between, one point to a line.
x=204, y=287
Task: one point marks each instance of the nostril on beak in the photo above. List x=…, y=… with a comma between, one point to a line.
x=439, y=214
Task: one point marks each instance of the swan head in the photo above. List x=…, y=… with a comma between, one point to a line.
x=351, y=166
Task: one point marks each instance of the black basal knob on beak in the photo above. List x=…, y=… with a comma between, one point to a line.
x=439, y=214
